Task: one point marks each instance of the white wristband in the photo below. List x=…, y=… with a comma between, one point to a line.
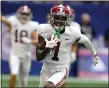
x=73, y=57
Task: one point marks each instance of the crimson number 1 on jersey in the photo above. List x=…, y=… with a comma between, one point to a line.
x=56, y=52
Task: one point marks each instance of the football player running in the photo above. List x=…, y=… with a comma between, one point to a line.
x=55, y=46
x=23, y=35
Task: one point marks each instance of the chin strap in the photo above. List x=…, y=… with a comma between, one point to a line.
x=58, y=32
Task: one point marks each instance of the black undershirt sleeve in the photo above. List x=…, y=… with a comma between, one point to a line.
x=77, y=39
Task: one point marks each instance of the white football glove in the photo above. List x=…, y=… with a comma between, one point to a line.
x=95, y=60
x=26, y=40
x=52, y=43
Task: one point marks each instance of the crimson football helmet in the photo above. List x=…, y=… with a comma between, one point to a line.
x=24, y=14
x=59, y=15
x=71, y=14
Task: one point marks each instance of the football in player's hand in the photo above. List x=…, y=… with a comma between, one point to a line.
x=44, y=42
x=49, y=38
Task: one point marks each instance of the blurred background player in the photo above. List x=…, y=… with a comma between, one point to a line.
x=48, y=17
x=86, y=27
x=59, y=38
x=23, y=35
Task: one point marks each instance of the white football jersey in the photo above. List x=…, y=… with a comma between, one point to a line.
x=76, y=25
x=61, y=53
x=17, y=32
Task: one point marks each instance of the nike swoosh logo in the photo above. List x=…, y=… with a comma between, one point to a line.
x=66, y=39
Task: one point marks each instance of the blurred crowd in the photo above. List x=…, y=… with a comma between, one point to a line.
x=63, y=1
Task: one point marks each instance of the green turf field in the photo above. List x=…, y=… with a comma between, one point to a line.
x=71, y=82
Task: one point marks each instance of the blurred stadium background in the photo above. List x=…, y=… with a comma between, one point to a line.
x=82, y=72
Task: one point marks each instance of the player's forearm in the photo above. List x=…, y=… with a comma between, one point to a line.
x=41, y=46
x=34, y=42
x=88, y=44
x=74, y=47
x=30, y=41
x=34, y=38
x=6, y=22
x=40, y=55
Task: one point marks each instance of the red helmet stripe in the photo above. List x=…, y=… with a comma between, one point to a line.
x=22, y=8
x=59, y=8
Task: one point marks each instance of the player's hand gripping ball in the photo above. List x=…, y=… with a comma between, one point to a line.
x=52, y=42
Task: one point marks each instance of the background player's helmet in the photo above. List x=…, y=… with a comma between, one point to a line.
x=24, y=14
x=59, y=15
x=48, y=18
x=71, y=14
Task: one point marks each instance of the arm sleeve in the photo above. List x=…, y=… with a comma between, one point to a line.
x=6, y=22
x=36, y=25
x=41, y=31
x=84, y=40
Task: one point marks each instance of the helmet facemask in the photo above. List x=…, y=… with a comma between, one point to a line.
x=24, y=17
x=59, y=21
x=59, y=16
x=24, y=14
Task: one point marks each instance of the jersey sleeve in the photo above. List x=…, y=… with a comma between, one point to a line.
x=77, y=25
x=76, y=33
x=78, y=37
x=35, y=26
x=41, y=31
x=11, y=19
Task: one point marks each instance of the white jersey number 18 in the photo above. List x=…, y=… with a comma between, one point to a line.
x=23, y=33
